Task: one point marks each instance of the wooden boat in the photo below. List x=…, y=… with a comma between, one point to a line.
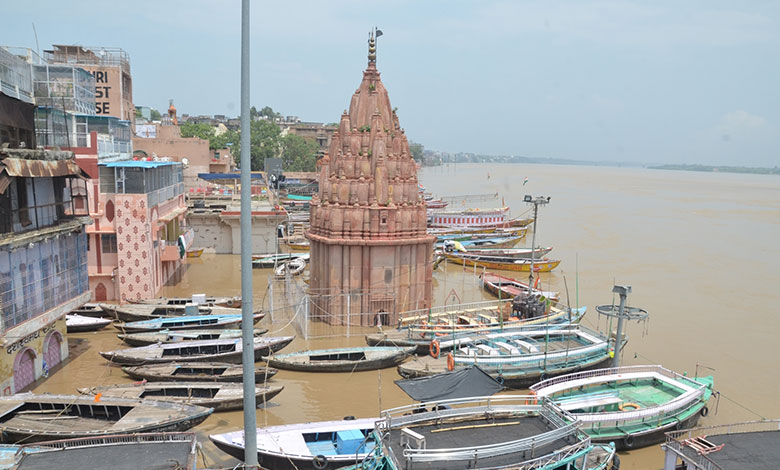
x=32, y=417
x=194, y=253
x=509, y=288
x=505, y=431
x=295, y=446
x=449, y=335
x=196, y=372
x=460, y=234
x=483, y=242
x=91, y=309
x=196, y=322
x=141, y=312
x=175, y=336
x=341, y=359
x=632, y=406
x=124, y=452
x=519, y=358
x=499, y=262
x=436, y=204
x=77, y=323
x=297, y=244
x=469, y=218
x=216, y=395
x=516, y=253
x=230, y=302
x=213, y=350
x=292, y=267
x=271, y=260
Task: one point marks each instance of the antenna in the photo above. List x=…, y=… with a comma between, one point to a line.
x=37, y=47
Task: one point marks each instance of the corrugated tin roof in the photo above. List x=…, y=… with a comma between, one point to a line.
x=24, y=168
x=137, y=164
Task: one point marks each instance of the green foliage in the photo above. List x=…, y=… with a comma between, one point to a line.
x=269, y=113
x=253, y=113
x=155, y=115
x=265, y=140
x=365, y=128
x=138, y=113
x=204, y=131
x=298, y=153
x=417, y=151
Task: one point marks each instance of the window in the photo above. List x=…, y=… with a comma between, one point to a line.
x=108, y=243
x=21, y=199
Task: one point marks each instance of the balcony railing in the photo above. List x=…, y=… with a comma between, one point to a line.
x=42, y=215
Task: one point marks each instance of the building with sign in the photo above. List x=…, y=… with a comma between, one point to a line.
x=110, y=68
x=43, y=260
x=139, y=236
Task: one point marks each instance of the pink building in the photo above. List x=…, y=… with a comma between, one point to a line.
x=368, y=222
x=138, y=218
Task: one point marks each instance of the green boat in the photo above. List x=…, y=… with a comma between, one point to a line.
x=631, y=406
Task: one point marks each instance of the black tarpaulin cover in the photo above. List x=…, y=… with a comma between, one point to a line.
x=463, y=383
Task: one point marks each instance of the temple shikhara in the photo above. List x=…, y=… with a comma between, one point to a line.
x=368, y=222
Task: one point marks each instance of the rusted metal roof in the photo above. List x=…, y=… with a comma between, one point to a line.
x=20, y=167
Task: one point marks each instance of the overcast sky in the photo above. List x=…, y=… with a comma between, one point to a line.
x=653, y=81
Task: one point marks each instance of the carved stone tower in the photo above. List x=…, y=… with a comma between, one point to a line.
x=368, y=222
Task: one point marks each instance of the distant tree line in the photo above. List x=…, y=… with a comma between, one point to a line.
x=266, y=140
x=717, y=168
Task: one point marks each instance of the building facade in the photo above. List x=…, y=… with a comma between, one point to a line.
x=368, y=222
x=43, y=261
x=110, y=68
x=139, y=215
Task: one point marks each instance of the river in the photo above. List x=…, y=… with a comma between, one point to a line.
x=699, y=249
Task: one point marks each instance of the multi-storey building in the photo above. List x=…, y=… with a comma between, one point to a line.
x=43, y=260
x=139, y=217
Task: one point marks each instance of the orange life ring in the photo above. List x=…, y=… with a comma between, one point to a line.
x=434, y=349
x=450, y=362
x=633, y=406
x=534, y=400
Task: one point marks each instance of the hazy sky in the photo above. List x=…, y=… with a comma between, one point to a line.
x=653, y=81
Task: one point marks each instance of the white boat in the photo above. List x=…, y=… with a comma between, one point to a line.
x=305, y=445
x=78, y=323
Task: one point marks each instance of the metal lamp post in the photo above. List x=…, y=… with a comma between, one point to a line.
x=538, y=201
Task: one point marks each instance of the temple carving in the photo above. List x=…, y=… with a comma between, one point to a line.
x=368, y=229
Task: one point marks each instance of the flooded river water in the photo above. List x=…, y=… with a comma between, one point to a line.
x=701, y=251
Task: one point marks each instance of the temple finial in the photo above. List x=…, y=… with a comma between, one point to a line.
x=372, y=38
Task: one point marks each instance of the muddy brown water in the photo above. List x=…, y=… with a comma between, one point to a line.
x=700, y=250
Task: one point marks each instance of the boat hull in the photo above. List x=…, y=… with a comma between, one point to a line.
x=389, y=360
x=282, y=462
x=129, y=358
x=153, y=373
x=509, y=377
x=540, y=266
x=86, y=327
x=654, y=437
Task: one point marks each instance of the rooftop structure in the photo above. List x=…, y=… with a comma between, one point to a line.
x=368, y=222
x=43, y=260
x=111, y=70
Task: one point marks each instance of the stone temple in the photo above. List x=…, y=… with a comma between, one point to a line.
x=368, y=222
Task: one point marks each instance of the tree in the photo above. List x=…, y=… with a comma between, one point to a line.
x=191, y=129
x=269, y=113
x=417, y=151
x=265, y=140
x=155, y=115
x=298, y=153
x=253, y=113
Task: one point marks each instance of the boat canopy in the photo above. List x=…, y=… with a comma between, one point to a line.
x=462, y=383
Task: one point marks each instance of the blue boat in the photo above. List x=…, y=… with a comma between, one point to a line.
x=193, y=322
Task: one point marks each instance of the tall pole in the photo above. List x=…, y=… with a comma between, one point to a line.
x=247, y=319
x=623, y=291
x=533, y=243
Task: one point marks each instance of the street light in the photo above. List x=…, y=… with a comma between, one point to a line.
x=536, y=201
